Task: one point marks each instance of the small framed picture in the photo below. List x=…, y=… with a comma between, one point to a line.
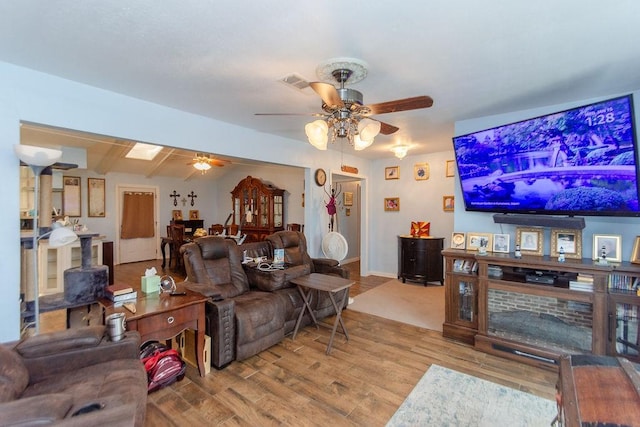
x=570, y=241
x=392, y=172
x=608, y=245
x=450, y=168
x=348, y=198
x=176, y=214
x=392, y=204
x=635, y=254
x=448, y=203
x=457, y=264
x=458, y=241
x=501, y=243
x=194, y=214
x=479, y=240
x=530, y=240
x=421, y=171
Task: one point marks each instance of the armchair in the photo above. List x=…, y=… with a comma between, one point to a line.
x=47, y=378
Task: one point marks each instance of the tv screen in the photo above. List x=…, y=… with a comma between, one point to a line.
x=581, y=161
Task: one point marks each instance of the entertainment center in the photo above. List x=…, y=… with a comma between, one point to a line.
x=534, y=309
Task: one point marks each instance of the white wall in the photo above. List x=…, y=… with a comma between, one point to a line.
x=629, y=228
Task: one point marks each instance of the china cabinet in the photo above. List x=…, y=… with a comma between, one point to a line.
x=258, y=208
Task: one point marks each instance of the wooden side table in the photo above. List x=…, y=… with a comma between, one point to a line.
x=323, y=283
x=162, y=316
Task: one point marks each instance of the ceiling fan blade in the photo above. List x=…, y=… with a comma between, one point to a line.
x=290, y=114
x=387, y=129
x=328, y=93
x=414, y=103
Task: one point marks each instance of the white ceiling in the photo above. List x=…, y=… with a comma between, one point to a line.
x=223, y=59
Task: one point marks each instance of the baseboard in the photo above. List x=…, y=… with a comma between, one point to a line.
x=349, y=260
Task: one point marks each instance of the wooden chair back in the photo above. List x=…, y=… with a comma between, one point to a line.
x=216, y=229
x=295, y=227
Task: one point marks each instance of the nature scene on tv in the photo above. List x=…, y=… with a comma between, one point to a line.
x=578, y=161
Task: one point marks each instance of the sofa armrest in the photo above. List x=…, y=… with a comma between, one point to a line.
x=36, y=410
x=43, y=364
x=329, y=266
x=221, y=327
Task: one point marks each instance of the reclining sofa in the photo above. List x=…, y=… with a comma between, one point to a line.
x=47, y=378
x=249, y=309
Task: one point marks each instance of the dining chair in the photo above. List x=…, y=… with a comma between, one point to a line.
x=177, y=240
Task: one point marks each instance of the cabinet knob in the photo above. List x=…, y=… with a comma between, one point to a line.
x=170, y=319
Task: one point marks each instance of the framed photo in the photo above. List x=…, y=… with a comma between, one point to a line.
x=450, y=168
x=96, y=197
x=392, y=172
x=569, y=240
x=392, y=204
x=71, y=196
x=176, y=214
x=530, y=240
x=194, y=214
x=635, y=255
x=448, y=203
x=501, y=243
x=477, y=240
x=457, y=264
x=348, y=198
x=458, y=241
x=608, y=244
x=421, y=171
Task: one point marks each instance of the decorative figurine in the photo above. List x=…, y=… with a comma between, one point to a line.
x=517, y=252
x=561, y=254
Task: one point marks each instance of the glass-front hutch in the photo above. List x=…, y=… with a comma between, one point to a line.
x=258, y=208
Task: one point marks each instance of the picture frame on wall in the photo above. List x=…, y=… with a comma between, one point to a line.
x=448, y=203
x=530, y=240
x=392, y=172
x=194, y=214
x=176, y=215
x=635, y=254
x=610, y=244
x=392, y=203
x=348, y=198
x=96, y=196
x=477, y=240
x=450, y=168
x=71, y=187
x=569, y=240
x=501, y=243
x=421, y=171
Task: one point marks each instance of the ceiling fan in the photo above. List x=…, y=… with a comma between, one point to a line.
x=344, y=112
x=203, y=162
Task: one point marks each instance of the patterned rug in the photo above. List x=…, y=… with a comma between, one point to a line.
x=448, y=398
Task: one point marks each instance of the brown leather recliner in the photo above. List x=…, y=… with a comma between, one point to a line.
x=46, y=378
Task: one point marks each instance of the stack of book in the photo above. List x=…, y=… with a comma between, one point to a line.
x=120, y=293
x=584, y=282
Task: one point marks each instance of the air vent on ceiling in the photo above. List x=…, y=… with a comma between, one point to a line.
x=295, y=81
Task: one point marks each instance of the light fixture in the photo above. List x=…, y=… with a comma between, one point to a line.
x=342, y=124
x=202, y=162
x=39, y=158
x=400, y=150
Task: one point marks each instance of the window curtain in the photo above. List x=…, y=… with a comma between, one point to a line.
x=137, y=216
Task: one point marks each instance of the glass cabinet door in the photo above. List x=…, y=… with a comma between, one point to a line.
x=627, y=335
x=264, y=211
x=277, y=211
x=465, y=303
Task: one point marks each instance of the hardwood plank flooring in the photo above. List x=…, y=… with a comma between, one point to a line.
x=362, y=382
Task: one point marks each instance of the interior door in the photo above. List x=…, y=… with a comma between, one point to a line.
x=137, y=249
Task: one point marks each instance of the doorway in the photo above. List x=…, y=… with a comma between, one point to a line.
x=349, y=215
x=136, y=249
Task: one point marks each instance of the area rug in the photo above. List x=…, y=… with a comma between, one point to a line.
x=448, y=398
x=410, y=303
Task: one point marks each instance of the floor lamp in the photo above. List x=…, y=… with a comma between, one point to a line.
x=39, y=158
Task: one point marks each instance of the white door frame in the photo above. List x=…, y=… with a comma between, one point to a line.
x=120, y=188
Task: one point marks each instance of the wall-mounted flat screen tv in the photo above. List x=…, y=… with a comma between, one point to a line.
x=581, y=161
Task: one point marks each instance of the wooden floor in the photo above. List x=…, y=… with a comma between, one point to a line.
x=362, y=382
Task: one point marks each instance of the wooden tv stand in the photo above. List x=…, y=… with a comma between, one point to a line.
x=523, y=309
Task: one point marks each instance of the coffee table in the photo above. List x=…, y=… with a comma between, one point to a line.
x=162, y=317
x=323, y=283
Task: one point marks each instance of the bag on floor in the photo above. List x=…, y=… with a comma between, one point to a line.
x=164, y=366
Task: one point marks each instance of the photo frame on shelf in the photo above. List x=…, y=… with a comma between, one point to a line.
x=348, y=198
x=569, y=240
x=392, y=203
x=176, y=214
x=71, y=199
x=635, y=254
x=194, y=214
x=96, y=196
x=450, y=168
x=610, y=244
x=477, y=240
x=501, y=243
x=530, y=240
x=392, y=172
x=448, y=203
x=421, y=171
x=457, y=264
x=458, y=240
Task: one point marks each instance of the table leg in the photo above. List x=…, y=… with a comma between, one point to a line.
x=164, y=257
x=338, y=319
x=306, y=307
